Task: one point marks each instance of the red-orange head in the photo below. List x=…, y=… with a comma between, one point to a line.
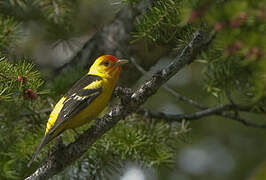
x=107, y=66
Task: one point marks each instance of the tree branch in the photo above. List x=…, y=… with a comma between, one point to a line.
x=65, y=156
x=206, y=111
x=167, y=88
x=242, y=120
x=180, y=117
x=217, y=111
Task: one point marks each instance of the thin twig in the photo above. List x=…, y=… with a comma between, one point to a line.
x=6, y=76
x=206, y=111
x=242, y=120
x=180, y=117
x=217, y=111
x=167, y=88
x=6, y=34
x=229, y=97
x=184, y=98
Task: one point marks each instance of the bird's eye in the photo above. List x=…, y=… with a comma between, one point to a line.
x=106, y=63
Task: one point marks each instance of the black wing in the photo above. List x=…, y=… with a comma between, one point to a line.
x=78, y=98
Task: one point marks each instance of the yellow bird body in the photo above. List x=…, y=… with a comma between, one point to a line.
x=85, y=100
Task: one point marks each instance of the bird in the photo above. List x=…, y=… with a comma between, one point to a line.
x=85, y=100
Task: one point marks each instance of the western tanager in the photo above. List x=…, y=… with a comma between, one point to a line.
x=85, y=100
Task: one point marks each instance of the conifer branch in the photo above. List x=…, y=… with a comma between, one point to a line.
x=206, y=111
x=221, y=110
x=180, y=117
x=64, y=156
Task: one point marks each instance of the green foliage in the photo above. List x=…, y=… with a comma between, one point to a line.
x=54, y=20
x=151, y=143
x=51, y=13
x=9, y=33
x=234, y=74
x=15, y=147
x=18, y=114
x=161, y=23
x=235, y=64
x=15, y=78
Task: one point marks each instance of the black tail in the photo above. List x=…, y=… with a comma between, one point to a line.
x=44, y=141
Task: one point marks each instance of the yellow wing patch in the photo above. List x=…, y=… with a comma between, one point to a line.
x=54, y=114
x=94, y=85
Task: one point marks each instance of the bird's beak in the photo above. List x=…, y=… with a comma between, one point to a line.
x=120, y=62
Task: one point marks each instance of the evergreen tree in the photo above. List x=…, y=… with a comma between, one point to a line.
x=47, y=45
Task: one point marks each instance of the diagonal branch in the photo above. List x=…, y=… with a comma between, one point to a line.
x=65, y=156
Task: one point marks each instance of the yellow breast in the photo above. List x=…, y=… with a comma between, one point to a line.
x=92, y=110
x=87, y=114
